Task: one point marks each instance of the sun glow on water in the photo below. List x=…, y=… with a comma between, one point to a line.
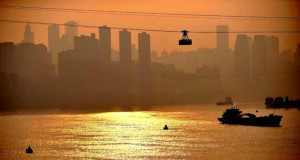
x=140, y=135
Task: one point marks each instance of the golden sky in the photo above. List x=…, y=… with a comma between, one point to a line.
x=159, y=41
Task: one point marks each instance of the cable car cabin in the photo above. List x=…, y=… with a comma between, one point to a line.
x=185, y=39
x=185, y=42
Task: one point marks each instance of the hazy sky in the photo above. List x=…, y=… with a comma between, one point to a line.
x=159, y=41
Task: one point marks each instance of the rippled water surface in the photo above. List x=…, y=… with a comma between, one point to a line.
x=140, y=135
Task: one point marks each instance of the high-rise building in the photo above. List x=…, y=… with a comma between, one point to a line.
x=242, y=54
x=222, y=38
x=71, y=28
x=144, y=67
x=53, y=38
x=272, y=49
x=286, y=56
x=125, y=48
x=28, y=35
x=54, y=44
x=259, y=54
x=134, y=52
x=144, y=49
x=296, y=58
x=82, y=60
x=67, y=40
x=105, y=43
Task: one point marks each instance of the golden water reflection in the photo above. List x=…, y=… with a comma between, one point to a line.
x=140, y=135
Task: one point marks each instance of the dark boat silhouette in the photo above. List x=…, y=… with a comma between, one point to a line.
x=166, y=127
x=228, y=101
x=279, y=102
x=29, y=150
x=235, y=116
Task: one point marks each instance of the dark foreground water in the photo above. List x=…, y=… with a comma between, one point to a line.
x=139, y=135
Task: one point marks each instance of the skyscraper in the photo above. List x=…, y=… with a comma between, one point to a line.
x=105, y=43
x=296, y=58
x=71, y=28
x=144, y=67
x=259, y=54
x=67, y=40
x=242, y=54
x=272, y=49
x=222, y=38
x=54, y=44
x=144, y=49
x=28, y=35
x=125, y=48
x=53, y=38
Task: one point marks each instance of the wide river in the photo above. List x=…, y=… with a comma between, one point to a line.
x=192, y=134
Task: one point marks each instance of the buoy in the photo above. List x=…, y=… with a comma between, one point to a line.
x=29, y=150
x=166, y=127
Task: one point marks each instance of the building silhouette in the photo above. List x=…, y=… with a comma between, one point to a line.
x=105, y=43
x=28, y=35
x=272, y=49
x=71, y=28
x=242, y=54
x=125, y=48
x=54, y=45
x=242, y=79
x=296, y=57
x=144, y=50
x=82, y=60
x=26, y=74
x=286, y=57
x=67, y=40
x=27, y=60
x=53, y=39
x=259, y=55
x=144, y=68
x=222, y=38
x=126, y=78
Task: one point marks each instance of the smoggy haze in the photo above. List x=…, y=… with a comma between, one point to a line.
x=14, y=32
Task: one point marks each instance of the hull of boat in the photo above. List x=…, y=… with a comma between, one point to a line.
x=258, y=121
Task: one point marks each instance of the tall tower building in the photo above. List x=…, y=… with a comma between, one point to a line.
x=125, y=48
x=28, y=35
x=105, y=43
x=67, y=40
x=144, y=49
x=272, y=49
x=54, y=44
x=259, y=54
x=242, y=54
x=53, y=38
x=144, y=64
x=222, y=38
x=71, y=28
x=296, y=58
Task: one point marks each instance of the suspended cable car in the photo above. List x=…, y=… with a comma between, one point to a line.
x=185, y=39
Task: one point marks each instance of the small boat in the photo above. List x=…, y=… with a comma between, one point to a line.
x=228, y=101
x=166, y=127
x=29, y=150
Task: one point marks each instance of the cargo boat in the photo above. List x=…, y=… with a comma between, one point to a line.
x=235, y=116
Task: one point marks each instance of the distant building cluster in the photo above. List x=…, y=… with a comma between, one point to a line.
x=82, y=71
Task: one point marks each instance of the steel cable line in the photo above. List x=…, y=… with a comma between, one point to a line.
x=141, y=29
x=184, y=15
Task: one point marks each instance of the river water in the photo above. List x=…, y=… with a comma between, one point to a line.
x=192, y=134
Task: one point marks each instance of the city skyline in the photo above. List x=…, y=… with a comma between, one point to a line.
x=279, y=8
x=159, y=79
